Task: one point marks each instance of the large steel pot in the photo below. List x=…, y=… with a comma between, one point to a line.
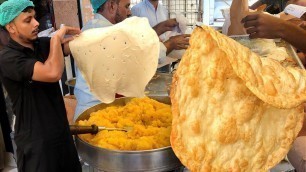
x=156, y=160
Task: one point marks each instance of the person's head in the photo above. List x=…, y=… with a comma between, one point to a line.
x=113, y=10
x=18, y=18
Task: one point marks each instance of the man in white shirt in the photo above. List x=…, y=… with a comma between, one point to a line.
x=156, y=13
x=151, y=9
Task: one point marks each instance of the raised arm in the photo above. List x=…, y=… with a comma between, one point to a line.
x=52, y=69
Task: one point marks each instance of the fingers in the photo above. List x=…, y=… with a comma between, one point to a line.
x=251, y=30
x=255, y=35
x=66, y=30
x=171, y=23
x=68, y=39
x=185, y=35
x=168, y=28
x=186, y=41
x=71, y=30
x=250, y=18
x=303, y=25
x=252, y=23
x=174, y=21
x=182, y=46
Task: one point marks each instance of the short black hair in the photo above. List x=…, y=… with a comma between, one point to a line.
x=28, y=9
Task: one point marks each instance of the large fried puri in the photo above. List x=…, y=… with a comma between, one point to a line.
x=232, y=110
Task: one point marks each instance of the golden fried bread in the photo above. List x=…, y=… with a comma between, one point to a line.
x=225, y=116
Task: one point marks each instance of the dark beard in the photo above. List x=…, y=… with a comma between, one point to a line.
x=118, y=18
x=26, y=40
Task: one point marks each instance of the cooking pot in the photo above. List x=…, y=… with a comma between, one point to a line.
x=155, y=160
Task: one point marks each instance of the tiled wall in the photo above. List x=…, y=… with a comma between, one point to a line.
x=191, y=9
x=87, y=11
x=66, y=12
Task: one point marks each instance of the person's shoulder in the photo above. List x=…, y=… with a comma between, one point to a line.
x=7, y=55
x=90, y=24
x=3, y=55
x=95, y=23
x=138, y=6
x=7, y=52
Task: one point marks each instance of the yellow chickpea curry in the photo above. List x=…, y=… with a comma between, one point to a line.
x=150, y=120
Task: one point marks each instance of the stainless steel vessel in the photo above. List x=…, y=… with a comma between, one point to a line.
x=279, y=43
x=156, y=160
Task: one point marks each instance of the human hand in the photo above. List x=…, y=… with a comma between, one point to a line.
x=66, y=30
x=303, y=25
x=170, y=24
x=263, y=26
x=165, y=26
x=179, y=42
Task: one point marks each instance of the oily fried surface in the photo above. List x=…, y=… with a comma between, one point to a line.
x=219, y=122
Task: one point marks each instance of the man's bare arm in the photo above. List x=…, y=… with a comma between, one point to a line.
x=52, y=69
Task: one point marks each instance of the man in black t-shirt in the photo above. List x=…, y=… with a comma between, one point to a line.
x=30, y=69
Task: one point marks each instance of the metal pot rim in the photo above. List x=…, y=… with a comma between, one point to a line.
x=123, y=151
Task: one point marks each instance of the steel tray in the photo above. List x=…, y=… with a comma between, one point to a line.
x=279, y=43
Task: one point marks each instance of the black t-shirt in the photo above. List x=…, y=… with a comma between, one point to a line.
x=39, y=106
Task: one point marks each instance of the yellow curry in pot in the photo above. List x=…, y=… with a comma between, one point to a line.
x=150, y=120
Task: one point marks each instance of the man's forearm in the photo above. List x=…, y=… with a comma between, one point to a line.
x=56, y=58
x=294, y=35
x=158, y=29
